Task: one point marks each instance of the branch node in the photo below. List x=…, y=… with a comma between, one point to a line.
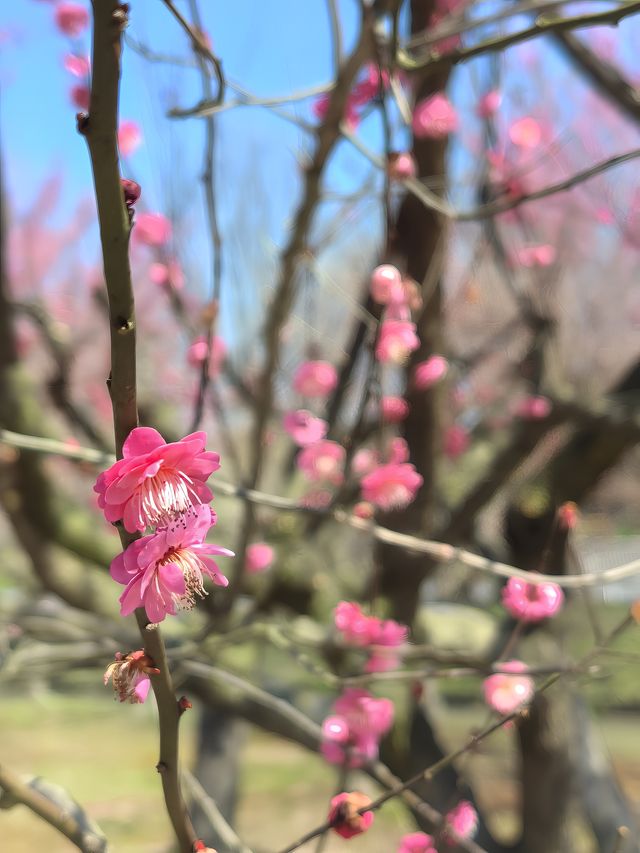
x=82, y=123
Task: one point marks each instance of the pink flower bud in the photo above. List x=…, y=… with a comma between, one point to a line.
x=71, y=19
x=434, y=117
x=259, y=558
x=401, y=166
x=525, y=133
x=80, y=96
x=386, y=285
x=428, y=373
x=489, y=104
x=344, y=814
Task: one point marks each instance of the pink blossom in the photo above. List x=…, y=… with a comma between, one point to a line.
x=397, y=450
x=489, y=104
x=369, y=87
x=152, y=229
x=129, y=137
x=79, y=66
x=428, y=372
x=80, y=96
x=401, y=166
x=385, y=635
x=417, y=842
x=435, y=117
x=534, y=407
x=323, y=460
x=392, y=486
x=386, y=285
x=169, y=274
x=394, y=409
x=536, y=256
x=259, y=558
x=130, y=674
x=461, y=822
x=456, y=441
x=71, y=19
x=396, y=341
x=155, y=481
x=344, y=814
x=315, y=379
x=526, y=132
x=350, y=118
x=354, y=625
x=531, y=602
x=197, y=354
x=364, y=460
x=357, y=725
x=304, y=428
x=165, y=570
x=507, y=693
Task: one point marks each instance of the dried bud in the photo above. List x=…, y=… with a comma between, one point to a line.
x=131, y=190
x=184, y=704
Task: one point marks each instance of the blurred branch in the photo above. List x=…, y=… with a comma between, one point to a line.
x=231, y=842
x=100, y=129
x=544, y=25
x=65, y=815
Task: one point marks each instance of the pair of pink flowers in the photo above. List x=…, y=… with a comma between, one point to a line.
x=385, y=636
x=352, y=733
x=459, y=824
x=363, y=92
x=162, y=485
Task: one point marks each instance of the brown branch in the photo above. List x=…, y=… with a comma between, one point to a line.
x=100, y=129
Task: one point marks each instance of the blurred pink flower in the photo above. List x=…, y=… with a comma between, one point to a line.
x=155, y=481
x=167, y=274
x=350, y=118
x=369, y=87
x=315, y=379
x=130, y=676
x=435, y=117
x=165, y=570
x=354, y=625
x=386, y=285
x=397, y=339
x=506, y=693
x=197, y=354
x=417, y=842
x=78, y=66
x=456, y=441
x=525, y=132
x=323, y=460
x=364, y=510
x=355, y=729
x=391, y=486
x=401, y=166
x=152, y=229
x=80, y=96
x=461, y=822
x=304, y=428
x=344, y=814
x=536, y=256
x=129, y=137
x=532, y=602
x=72, y=19
x=534, y=407
x=364, y=460
x=397, y=450
x=428, y=372
x=489, y=104
x=394, y=409
x=259, y=558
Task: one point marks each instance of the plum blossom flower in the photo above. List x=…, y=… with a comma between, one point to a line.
x=344, y=814
x=364, y=460
x=435, y=117
x=72, y=19
x=532, y=602
x=198, y=349
x=392, y=486
x=80, y=96
x=352, y=733
x=130, y=676
x=350, y=118
x=507, y=693
x=460, y=823
x=259, y=557
x=385, y=636
x=353, y=624
x=129, y=137
x=152, y=229
x=417, y=842
x=169, y=274
x=164, y=571
x=401, y=166
x=525, y=132
x=428, y=372
x=323, y=460
x=315, y=379
x=304, y=428
x=489, y=104
x=534, y=407
x=369, y=87
x=394, y=409
x=78, y=66
x=386, y=285
x=396, y=341
x=155, y=481
x=397, y=450
x=456, y=441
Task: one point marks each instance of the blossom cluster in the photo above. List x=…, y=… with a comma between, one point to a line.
x=384, y=636
x=162, y=486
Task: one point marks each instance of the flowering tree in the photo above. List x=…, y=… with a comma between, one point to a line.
x=456, y=389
